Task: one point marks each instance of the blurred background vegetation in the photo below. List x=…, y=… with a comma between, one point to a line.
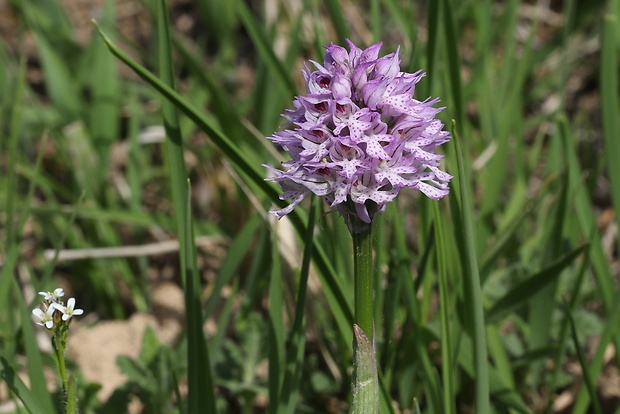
x=533, y=88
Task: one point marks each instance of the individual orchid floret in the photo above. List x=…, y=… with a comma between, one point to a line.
x=69, y=310
x=53, y=296
x=358, y=136
x=45, y=318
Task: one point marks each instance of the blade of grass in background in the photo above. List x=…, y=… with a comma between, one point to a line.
x=564, y=330
x=14, y=226
x=447, y=370
x=334, y=8
x=610, y=102
x=522, y=292
x=38, y=381
x=454, y=62
x=590, y=386
x=259, y=37
x=334, y=293
x=10, y=249
x=17, y=386
x=543, y=300
x=54, y=39
x=434, y=25
x=200, y=393
x=595, y=365
x=103, y=112
x=588, y=224
x=296, y=342
x=610, y=107
x=237, y=250
x=275, y=332
x=473, y=294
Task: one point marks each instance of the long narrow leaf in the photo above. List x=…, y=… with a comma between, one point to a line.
x=17, y=386
x=473, y=294
x=200, y=385
x=296, y=341
x=447, y=370
x=523, y=292
x=261, y=42
x=584, y=365
x=275, y=333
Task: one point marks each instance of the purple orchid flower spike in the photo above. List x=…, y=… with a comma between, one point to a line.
x=358, y=136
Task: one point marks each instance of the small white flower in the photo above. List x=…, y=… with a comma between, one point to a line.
x=69, y=310
x=45, y=318
x=53, y=296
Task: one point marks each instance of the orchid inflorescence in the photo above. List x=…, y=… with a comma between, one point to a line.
x=53, y=311
x=358, y=136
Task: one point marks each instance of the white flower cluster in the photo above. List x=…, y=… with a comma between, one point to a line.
x=53, y=307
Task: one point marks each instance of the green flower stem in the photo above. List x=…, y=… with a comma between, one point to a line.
x=362, y=264
x=59, y=356
x=71, y=406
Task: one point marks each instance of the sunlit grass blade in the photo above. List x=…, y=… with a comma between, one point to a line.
x=473, y=294
x=201, y=395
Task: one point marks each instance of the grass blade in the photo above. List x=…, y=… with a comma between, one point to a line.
x=333, y=291
x=447, y=371
x=297, y=341
x=103, y=113
x=473, y=294
x=200, y=394
x=275, y=334
x=261, y=42
x=15, y=384
x=335, y=12
x=523, y=292
x=610, y=104
x=587, y=378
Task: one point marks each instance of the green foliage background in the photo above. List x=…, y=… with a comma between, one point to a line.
x=533, y=90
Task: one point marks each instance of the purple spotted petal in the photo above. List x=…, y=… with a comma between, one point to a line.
x=359, y=136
